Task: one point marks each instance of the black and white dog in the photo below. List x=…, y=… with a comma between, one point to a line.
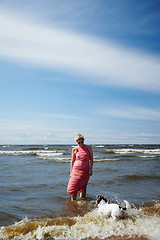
x=111, y=209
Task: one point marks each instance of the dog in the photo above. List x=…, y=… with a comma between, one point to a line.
x=111, y=209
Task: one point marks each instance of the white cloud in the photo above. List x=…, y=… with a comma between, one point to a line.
x=21, y=132
x=61, y=116
x=102, y=62
x=25, y=132
x=131, y=112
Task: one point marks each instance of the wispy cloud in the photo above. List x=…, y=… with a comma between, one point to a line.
x=46, y=128
x=25, y=132
x=62, y=116
x=103, y=62
x=131, y=112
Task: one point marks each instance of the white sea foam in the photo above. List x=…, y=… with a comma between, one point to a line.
x=36, y=152
x=17, y=152
x=98, y=159
x=93, y=224
x=131, y=151
x=99, y=146
x=106, y=159
x=48, y=154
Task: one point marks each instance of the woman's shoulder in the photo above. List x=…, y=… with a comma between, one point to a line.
x=74, y=149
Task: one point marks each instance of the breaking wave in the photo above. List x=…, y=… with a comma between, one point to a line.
x=137, y=222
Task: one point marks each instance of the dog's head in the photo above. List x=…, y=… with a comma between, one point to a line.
x=100, y=197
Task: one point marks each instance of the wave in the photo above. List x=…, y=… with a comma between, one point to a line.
x=46, y=154
x=68, y=160
x=100, y=150
x=110, y=151
x=99, y=146
x=141, y=177
x=42, y=185
x=55, y=159
x=137, y=223
x=49, y=154
x=106, y=159
x=132, y=150
x=15, y=152
x=128, y=152
x=32, y=152
x=18, y=152
x=105, y=151
x=7, y=218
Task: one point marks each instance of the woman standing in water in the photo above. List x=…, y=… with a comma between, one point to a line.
x=81, y=168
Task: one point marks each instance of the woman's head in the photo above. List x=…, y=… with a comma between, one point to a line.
x=79, y=138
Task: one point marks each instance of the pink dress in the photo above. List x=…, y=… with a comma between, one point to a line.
x=80, y=171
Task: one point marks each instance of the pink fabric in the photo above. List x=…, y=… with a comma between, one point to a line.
x=80, y=172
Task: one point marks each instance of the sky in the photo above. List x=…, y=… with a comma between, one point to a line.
x=89, y=67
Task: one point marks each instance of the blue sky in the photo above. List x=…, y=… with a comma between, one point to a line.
x=90, y=67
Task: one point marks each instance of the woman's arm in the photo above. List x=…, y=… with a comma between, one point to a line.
x=73, y=159
x=91, y=160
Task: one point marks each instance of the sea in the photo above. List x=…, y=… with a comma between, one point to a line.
x=34, y=203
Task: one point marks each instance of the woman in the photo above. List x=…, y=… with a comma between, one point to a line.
x=81, y=168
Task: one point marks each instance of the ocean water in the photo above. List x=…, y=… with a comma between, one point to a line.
x=34, y=203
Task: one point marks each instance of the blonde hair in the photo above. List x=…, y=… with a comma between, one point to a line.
x=78, y=136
